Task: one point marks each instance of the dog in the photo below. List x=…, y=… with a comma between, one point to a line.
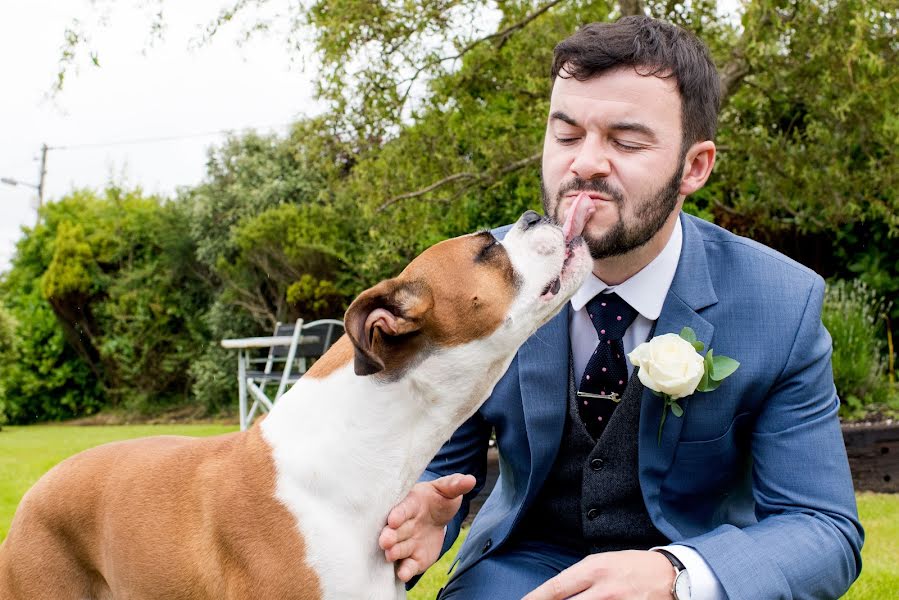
x=292, y=507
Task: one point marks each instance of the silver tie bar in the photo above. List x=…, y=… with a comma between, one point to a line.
x=614, y=397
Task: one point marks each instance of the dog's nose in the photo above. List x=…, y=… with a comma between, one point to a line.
x=529, y=219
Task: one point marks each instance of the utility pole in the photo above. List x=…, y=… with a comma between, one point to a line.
x=39, y=187
x=40, y=184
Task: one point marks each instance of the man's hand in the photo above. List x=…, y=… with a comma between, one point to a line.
x=632, y=574
x=415, y=527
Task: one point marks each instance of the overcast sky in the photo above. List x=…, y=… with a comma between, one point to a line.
x=139, y=93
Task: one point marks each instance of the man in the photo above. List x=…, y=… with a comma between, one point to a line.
x=748, y=493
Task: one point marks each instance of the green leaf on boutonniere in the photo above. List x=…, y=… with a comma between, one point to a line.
x=722, y=366
x=689, y=335
x=708, y=383
x=676, y=409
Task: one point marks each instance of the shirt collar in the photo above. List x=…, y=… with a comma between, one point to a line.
x=646, y=290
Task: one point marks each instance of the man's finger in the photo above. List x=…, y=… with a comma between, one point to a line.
x=400, y=551
x=391, y=536
x=402, y=512
x=387, y=538
x=407, y=569
x=564, y=585
x=453, y=486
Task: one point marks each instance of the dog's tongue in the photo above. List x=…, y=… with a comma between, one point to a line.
x=576, y=217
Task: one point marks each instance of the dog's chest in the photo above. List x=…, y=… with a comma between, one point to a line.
x=338, y=492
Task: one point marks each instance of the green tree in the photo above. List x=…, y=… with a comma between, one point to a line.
x=106, y=292
x=274, y=239
x=42, y=376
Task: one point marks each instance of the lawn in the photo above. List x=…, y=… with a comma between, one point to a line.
x=27, y=452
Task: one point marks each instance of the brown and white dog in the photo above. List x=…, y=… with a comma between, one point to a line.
x=293, y=507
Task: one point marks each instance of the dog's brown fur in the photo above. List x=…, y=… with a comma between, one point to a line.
x=45, y=559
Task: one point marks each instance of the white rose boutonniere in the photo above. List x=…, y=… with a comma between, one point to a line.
x=671, y=366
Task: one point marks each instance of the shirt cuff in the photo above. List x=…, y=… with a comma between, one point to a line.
x=703, y=583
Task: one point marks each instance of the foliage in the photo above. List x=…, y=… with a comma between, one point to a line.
x=854, y=316
x=42, y=375
x=273, y=239
x=107, y=293
x=8, y=327
x=810, y=135
x=866, y=251
x=434, y=124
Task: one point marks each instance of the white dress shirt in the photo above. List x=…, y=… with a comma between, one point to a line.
x=645, y=292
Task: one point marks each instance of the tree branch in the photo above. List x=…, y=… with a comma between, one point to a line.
x=630, y=8
x=507, y=32
x=503, y=35
x=732, y=75
x=430, y=188
x=485, y=177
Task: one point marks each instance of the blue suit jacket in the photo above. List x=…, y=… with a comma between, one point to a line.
x=754, y=476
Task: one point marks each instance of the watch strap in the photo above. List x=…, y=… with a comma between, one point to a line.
x=675, y=561
x=680, y=572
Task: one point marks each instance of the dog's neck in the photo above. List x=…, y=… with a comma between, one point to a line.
x=373, y=439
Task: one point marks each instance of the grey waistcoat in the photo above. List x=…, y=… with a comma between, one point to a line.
x=591, y=500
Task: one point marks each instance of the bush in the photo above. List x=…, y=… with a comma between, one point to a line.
x=855, y=317
x=41, y=378
x=7, y=351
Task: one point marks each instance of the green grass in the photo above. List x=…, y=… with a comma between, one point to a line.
x=879, y=514
x=28, y=452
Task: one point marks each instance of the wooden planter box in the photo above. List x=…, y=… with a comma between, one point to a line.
x=873, y=456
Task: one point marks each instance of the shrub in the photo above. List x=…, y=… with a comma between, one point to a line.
x=854, y=316
x=7, y=351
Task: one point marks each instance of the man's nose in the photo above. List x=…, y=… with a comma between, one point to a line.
x=592, y=160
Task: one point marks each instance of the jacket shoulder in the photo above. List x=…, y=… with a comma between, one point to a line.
x=751, y=261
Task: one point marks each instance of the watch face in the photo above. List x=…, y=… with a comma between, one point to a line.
x=682, y=585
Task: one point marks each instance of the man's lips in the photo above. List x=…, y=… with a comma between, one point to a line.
x=591, y=195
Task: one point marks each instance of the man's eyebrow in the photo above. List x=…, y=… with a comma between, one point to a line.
x=619, y=126
x=634, y=127
x=563, y=117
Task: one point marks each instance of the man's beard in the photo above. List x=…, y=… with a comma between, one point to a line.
x=649, y=218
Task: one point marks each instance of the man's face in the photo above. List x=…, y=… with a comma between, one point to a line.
x=618, y=138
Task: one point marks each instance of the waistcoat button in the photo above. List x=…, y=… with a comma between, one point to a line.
x=592, y=513
x=596, y=464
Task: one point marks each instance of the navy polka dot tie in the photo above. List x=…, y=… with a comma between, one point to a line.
x=605, y=377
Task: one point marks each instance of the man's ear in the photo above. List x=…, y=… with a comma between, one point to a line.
x=380, y=320
x=697, y=167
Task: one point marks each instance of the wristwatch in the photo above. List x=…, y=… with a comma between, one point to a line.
x=681, y=588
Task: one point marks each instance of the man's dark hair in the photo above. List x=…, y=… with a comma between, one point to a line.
x=652, y=48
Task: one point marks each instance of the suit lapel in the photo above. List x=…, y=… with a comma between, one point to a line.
x=543, y=373
x=690, y=291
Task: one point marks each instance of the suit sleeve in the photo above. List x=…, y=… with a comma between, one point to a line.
x=807, y=541
x=465, y=452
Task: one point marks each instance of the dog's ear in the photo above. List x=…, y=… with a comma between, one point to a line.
x=382, y=320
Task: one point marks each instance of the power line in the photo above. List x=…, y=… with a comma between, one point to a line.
x=170, y=138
